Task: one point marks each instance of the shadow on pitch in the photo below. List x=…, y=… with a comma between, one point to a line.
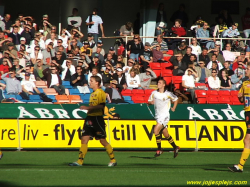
x=143, y=157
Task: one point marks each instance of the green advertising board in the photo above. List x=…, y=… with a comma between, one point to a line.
x=122, y=111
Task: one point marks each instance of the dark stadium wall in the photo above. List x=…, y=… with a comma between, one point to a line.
x=113, y=13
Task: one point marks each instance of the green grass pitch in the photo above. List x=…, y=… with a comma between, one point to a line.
x=49, y=168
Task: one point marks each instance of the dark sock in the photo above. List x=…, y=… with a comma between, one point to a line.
x=158, y=141
x=171, y=141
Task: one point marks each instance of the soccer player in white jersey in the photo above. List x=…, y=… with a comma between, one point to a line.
x=161, y=99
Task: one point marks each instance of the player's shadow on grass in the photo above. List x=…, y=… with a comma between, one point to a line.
x=144, y=157
x=84, y=165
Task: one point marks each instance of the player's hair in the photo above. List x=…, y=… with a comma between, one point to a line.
x=165, y=87
x=97, y=79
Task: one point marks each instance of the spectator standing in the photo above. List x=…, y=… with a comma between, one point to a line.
x=161, y=20
x=74, y=20
x=93, y=21
x=127, y=29
x=180, y=14
x=246, y=23
x=7, y=23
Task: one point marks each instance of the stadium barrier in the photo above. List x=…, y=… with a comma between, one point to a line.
x=59, y=126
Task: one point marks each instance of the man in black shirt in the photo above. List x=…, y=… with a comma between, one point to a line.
x=204, y=57
x=226, y=66
x=146, y=56
x=78, y=79
x=7, y=22
x=106, y=76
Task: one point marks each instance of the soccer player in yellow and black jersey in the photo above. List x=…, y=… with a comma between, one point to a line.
x=244, y=96
x=94, y=125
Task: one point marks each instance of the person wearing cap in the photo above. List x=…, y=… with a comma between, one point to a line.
x=28, y=34
x=146, y=56
x=231, y=32
x=112, y=52
x=28, y=86
x=120, y=77
x=126, y=69
x=145, y=78
x=86, y=49
x=93, y=21
x=113, y=92
x=204, y=33
x=109, y=58
x=22, y=41
x=91, y=41
x=98, y=51
x=99, y=44
x=11, y=50
x=95, y=63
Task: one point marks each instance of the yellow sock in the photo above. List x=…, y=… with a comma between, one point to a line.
x=110, y=152
x=1, y=152
x=82, y=152
x=244, y=157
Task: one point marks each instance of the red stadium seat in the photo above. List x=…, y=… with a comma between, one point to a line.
x=170, y=52
x=167, y=58
x=234, y=92
x=201, y=100
x=235, y=100
x=177, y=79
x=225, y=100
x=224, y=93
x=212, y=92
x=166, y=72
x=138, y=92
x=138, y=99
x=126, y=92
x=168, y=80
x=157, y=72
x=148, y=91
x=155, y=65
x=201, y=93
x=212, y=99
x=166, y=65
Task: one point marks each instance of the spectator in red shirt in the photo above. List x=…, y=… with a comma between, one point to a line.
x=4, y=68
x=238, y=61
x=177, y=29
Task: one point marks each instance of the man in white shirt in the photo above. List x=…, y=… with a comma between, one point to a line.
x=133, y=80
x=74, y=20
x=68, y=70
x=27, y=70
x=127, y=68
x=29, y=86
x=93, y=21
x=52, y=39
x=94, y=73
x=214, y=59
x=227, y=54
x=188, y=82
x=214, y=81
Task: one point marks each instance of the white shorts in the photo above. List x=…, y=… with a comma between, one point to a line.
x=163, y=120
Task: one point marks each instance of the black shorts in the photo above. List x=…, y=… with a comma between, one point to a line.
x=247, y=119
x=94, y=126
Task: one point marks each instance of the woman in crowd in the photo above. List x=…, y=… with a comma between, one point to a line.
x=214, y=81
x=225, y=82
x=134, y=47
x=196, y=49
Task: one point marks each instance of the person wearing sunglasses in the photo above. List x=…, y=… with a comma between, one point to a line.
x=214, y=81
x=134, y=47
x=202, y=72
x=78, y=79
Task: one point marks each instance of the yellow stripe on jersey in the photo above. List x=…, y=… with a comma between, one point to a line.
x=96, y=98
x=245, y=89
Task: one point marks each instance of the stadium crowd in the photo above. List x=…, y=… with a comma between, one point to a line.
x=31, y=53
